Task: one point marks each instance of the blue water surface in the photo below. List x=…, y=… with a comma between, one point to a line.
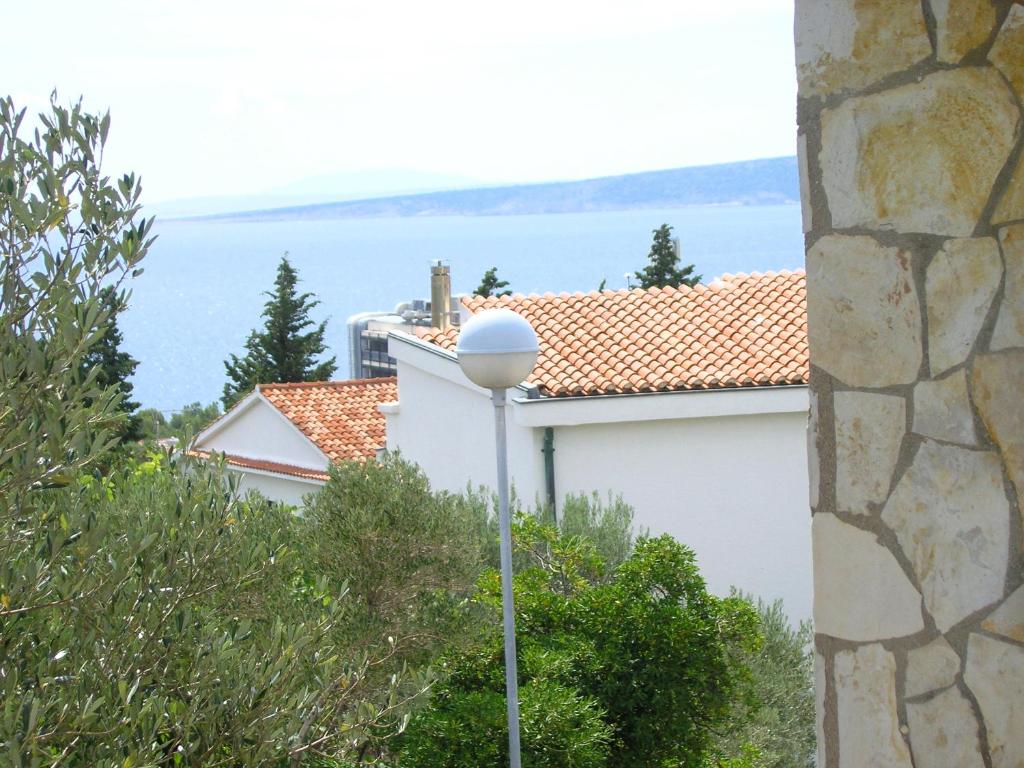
x=201, y=292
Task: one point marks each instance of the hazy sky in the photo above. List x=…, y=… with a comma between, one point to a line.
x=216, y=97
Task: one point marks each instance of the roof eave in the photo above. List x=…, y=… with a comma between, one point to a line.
x=657, y=406
x=271, y=473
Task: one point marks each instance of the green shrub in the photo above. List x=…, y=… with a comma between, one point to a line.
x=559, y=729
x=608, y=525
x=408, y=556
x=411, y=558
x=648, y=648
x=774, y=712
x=748, y=756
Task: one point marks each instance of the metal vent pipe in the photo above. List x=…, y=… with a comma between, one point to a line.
x=440, y=295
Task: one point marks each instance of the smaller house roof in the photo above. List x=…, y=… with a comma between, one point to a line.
x=341, y=418
x=274, y=467
x=738, y=331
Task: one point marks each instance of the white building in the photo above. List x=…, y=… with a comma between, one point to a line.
x=691, y=403
x=281, y=438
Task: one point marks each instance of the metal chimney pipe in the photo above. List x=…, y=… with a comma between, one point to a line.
x=440, y=295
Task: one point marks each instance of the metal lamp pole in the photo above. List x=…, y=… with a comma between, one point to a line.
x=505, y=527
x=497, y=349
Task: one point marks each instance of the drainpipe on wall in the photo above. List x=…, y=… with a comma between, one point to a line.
x=440, y=295
x=549, y=469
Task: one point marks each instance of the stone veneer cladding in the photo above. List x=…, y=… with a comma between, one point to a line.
x=911, y=139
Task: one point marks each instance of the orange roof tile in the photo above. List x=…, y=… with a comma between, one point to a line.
x=737, y=331
x=340, y=417
x=267, y=466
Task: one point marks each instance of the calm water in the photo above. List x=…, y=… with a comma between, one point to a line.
x=201, y=292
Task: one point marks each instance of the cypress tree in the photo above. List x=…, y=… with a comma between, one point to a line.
x=490, y=285
x=284, y=351
x=114, y=366
x=663, y=269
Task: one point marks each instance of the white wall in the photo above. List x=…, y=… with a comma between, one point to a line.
x=733, y=488
x=276, y=488
x=261, y=432
x=448, y=429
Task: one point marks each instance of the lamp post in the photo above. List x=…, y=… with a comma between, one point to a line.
x=497, y=349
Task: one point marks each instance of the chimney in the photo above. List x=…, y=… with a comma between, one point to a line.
x=440, y=295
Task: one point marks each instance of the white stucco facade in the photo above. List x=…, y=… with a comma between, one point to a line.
x=446, y=425
x=724, y=471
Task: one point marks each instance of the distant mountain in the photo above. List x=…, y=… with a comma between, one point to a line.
x=226, y=205
x=379, y=182
x=332, y=188
x=754, y=182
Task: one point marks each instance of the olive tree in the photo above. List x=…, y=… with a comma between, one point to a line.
x=67, y=232
x=148, y=616
x=408, y=555
x=774, y=709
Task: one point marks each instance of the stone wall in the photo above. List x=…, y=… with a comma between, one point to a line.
x=912, y=165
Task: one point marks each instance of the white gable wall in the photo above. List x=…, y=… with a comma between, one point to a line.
x=262, y=432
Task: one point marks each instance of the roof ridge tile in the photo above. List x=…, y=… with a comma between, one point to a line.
x=332, y=383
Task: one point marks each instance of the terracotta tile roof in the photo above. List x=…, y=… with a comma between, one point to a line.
x=340, y=417
x=738, y=331
x=267, y=466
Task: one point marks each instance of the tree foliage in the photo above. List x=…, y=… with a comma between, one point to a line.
x=663, y=269
x=114, y=366
x=560, y=729
x=70, y=236
x=283, y=351
x=604, y=524
x=607, y=524
x=136, y=628
x=774, y=711
x=647, y=650
x=190, y=420
x=490, y=285
x=409, y=556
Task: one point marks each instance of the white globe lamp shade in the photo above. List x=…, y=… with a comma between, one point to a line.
x=497, y=349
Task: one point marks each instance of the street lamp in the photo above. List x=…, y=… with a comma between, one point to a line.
x=497, y=349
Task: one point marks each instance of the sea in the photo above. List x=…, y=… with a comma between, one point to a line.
x=204, y=281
